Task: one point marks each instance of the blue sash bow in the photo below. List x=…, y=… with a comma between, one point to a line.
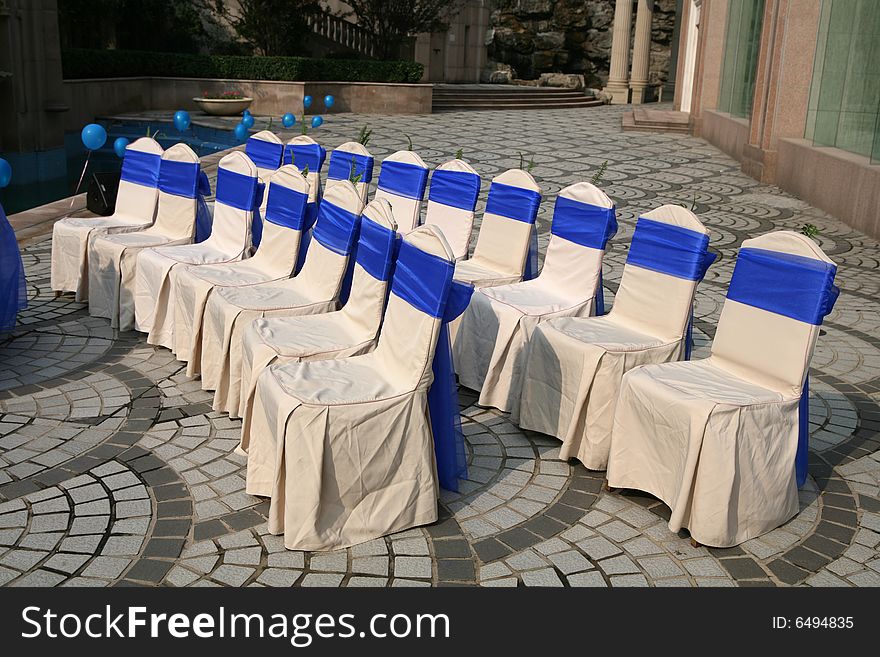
x=457, y=189
x=286, y=206
x=794, y=286
x=341, y=169
x=141, y=168
x=305, y=155
x=403, y=179
x=265, y=154
x=425, y=282
x=13, y=288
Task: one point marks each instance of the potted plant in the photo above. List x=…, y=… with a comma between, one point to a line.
x=226, y=103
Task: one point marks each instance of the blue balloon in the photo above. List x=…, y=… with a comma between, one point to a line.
x=288, y=120
x=119, y=146
x=247, y=121
x=329, y=101
x=181, y=120
x=316, y=121
x=307, y=102
x=246, y=112
x=5, y=173
x=93, y=136
x=240, y=132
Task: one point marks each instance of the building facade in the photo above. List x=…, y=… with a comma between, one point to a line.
x=791, y=89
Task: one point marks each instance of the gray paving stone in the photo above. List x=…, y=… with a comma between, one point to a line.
x=409, y=567
x=279, y=577
x=106, y=567
x=543, y=577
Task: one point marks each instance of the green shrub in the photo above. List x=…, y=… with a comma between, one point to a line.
x=81, y=63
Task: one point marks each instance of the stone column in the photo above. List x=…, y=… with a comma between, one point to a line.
x=618, y=81
x=641, y=51
x=669, y=85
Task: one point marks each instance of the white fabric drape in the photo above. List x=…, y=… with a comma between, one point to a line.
x=113, y=258
x=350, y=331
x=456, y=223
x=716, y=439
x=230, y=311
x=154, y=281
x=574, y=365
x=492, y=337
x=275, y=259
x=71, y=236
x=344, y=447
x=406, y=210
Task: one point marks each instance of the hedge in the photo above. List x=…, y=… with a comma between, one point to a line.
x=82, y=63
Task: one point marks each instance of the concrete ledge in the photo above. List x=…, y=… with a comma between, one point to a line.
x=842, y=184
x=91, y=97
x=725, y=132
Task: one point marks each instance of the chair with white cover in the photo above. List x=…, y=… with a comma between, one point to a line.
x=234, y=206
x=723, y=441
x=403, y=177
x=350, y=331
x=316, y=289
x=136, y=202
x=266, y=151
x=574, y=365
x=308, y=156
x=348, y=161
x=505, y=231
x=275, y=259
x=452, y=198
x=346, y=448
x=491, y=344
x=113, y=258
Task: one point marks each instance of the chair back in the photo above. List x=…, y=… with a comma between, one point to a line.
x=452, y=198
x=349, y=160
x=402, y=181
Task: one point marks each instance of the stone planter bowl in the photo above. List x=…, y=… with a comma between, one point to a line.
x=223, y=106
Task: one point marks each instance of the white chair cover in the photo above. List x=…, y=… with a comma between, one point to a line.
x=316, y=289
x=235, y=200
x=402, y=181
x=492, y=338
x=574, y=365
x=506, y=228
x=308, y=156
x=347, y=159
x=452, y=198
x=716, y=439
x=276, y=259
x=347, y=332
x=266, y=151
x=346, y=450
x=113, y=258
x=136, y=202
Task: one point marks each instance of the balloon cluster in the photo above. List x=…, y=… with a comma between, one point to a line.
x=289, y=120
x=247, y=122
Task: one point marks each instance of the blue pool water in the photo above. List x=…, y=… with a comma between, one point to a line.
x=19, y=197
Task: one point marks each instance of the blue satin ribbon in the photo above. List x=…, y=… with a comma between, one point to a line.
x=336, y=229
x=179, y=178
x=141, y=168
x=531, y=268
x=340, y=166
x=256, y=219
x=783, y=283
x=286, y=206
x=582, y=223
x=599, y=299
x=669, y=249
x=403, y=179
x=305, y=155
x=237, y=190
x=376, y=249
x=425, y=282
x=204, y=220
x=513, y=202
x=13, y=288
x=457, y=189
x=794, y=286
x=265, y=154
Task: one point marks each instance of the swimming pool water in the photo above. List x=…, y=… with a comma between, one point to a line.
x=203, y=140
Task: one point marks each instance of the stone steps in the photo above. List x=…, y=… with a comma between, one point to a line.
x=448, y=98
x=651, y=120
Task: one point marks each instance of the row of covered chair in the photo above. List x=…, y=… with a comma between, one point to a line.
x=542, y=349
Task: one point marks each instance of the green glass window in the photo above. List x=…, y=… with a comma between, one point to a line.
x=744, y=21
x=844, y=109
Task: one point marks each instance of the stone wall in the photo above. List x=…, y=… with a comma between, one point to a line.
x=568, y=36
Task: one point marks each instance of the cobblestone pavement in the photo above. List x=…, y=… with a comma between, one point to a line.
x=114, y=470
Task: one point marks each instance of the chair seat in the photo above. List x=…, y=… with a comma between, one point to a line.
x=138, y=240
x=92, y=223
x=333, y=382
x=530, y=297
x=292, y=337
x=238, y=274
x=195, y=254
x=701, y=380
x=267, y=297
x=479, y=275
x=605, y=333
